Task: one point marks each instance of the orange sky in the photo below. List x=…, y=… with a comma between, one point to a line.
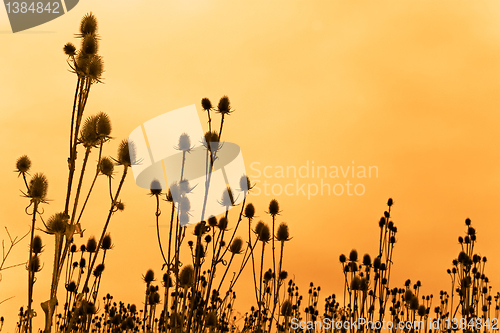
x=408, y=86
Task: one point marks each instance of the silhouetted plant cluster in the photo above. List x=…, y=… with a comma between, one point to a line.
x=198, y=295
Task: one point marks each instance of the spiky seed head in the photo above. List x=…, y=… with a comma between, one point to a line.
x=95, y=68
x=23, y=164
x=106, y=166
x=90, y=44
x=353, y=256
x=57, y=223
x=206, y=104
x=124, y=157
x=283, y=235
x=245, y=183
x=71, y=287
x=265, y=234
x=37, y=245
x=467, y=221
x=83, y=248
x=82, y=63
x=184, y=142
x=155, y=187
x=199, y=229
x=283, y=275
x=106, y=242
x=88, y=133
x=88, y=25
x=250, y=211
x=38, y=186
x=98, y=270
x=274, y=207
x=224, y=105
x=286, y=309
x=186, y=276
x=120, y=206
x=236, y=245
x=212, y=221
x=149, y=277
x=211, y=319
x=414, y=303
x=34, y=265
x=259, y=227
x=222, y=223
x=227, y=199
x=408, y=295
x=208, y=238
x=103, y=125
x=367, y=260
x=69, y=49
x=184, y=204
x=268, y=275
x=342, y=258
x=91, y=245
x=73, y=248
x=390, y=202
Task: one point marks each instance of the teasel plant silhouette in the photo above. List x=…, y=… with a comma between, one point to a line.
x=90, y=134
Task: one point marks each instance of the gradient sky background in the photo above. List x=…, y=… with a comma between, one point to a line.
x=409, y=86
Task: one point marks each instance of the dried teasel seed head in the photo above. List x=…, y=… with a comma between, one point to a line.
x=184, y=143
x=283, y=235
x=90, y=44
x=184, y=204
x=95, y=68
x=120, y=206
x=342, y=258
x=186, y=276
x=353, y=256
x=212, y=221
x=38, y=186
x=36, y=245
x=155, y=187
x=34, y=264
x=88, y=24
x=264, y=234
x=23, y=164
x=227, y=199
x=250, y=211
x=199, y=229
x=222, y=225
x=367, y=260
x=106, y=242
x=206, y=104
x=103, y=125
x=106, y=166
x=57, y=223
x=149, y=277
x=274, y=207
x=467, y=221
x=88, y=133
x=69, y=49
x=283, y=275
x=91, y=245
x=259, y=227
x=124, y=156
x=224, y=105
x=236, y=245
x=245, y=185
